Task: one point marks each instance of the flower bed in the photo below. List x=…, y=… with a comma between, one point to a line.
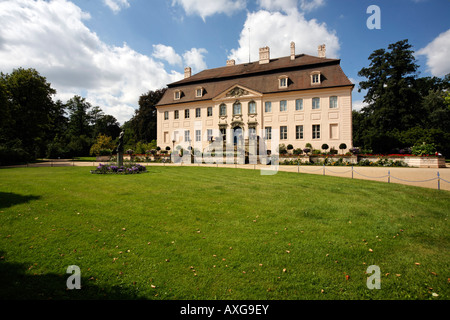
x=391, y=160
x=128, y=168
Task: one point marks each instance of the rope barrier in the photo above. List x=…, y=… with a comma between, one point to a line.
x=416, y=181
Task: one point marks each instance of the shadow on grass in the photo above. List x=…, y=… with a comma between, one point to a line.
x=18, y=283
x=8, y=199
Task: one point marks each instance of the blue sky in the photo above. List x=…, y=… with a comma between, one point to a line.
x=112, y=51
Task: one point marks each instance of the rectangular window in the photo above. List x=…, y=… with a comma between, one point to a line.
x=283, y=82
x=316, y=78
x=176, y=114
x=333, y=102
x=198, y=135
x=316, y=103
x=283, y=133
x=268, y=133
x=199, y=92
x=177, y=95
x=283, y=105
x=187, y=136
x=268, y=106
x=316, y=131
x=299, y=132
x=237, y=109
x=299, y=104
x=166, y=115
x=209, y=111
x=223, y=110
x=186, y=113
x=209, y=133
x=252, y=107
x=224, y=134
x=166, y=137
x=198, y=112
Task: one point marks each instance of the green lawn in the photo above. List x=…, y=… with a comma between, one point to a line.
x=217, y=233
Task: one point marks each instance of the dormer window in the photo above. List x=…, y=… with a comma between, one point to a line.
x=177, y=95
x=315, y=77
x=283, y=82
x=199, y=92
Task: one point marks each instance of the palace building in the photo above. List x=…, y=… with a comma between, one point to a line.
x=295, y=100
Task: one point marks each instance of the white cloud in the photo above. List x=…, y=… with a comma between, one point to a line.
x=116, y=5
x=290, y=5
x=167, y=53
x=206, y=8
x=277, y=30
x=437, y=53
x=358, y=105
x=51, y=37
x=195, y=59
x=309, y=5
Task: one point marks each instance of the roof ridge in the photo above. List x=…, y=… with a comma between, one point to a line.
x=253, y=68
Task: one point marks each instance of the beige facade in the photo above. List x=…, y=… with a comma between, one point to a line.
x=295, y=100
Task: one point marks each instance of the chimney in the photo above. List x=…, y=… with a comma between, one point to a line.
x=292, y=50
x=231, y=63
x=187, y=72
x=322, y=51
x=264, y=55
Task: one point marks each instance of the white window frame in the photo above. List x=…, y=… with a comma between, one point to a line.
x=316, y=106
x=299, y=105
x=316, y=132
x=283, y=133
x=209, y=112
x=198, y=112
x=268, y=133
x=187, y=114
x=252, y=103
x=234, y=109
x=198, y=135
x=299, y=134
x=223, y=110
x=268, y=106
x=315, y=78
x=283, y=82
x=334, y=102
x=166, y=115
x=283, y=105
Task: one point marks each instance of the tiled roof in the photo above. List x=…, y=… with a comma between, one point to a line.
x=262, y=78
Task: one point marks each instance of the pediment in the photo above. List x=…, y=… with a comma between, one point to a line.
x=237, y=92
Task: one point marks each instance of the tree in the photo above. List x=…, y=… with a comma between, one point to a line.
x=79, y=116
x=392, y=96
x=104, y=144
x=143, y=122
x=27, y=108
x=399, y=102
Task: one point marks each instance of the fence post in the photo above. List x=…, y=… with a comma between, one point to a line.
x=439, y=181
x=389, y=176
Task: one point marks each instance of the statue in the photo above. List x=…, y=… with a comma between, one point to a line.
x=120, y=150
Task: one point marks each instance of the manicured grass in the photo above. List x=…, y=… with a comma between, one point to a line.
x=216, y=233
